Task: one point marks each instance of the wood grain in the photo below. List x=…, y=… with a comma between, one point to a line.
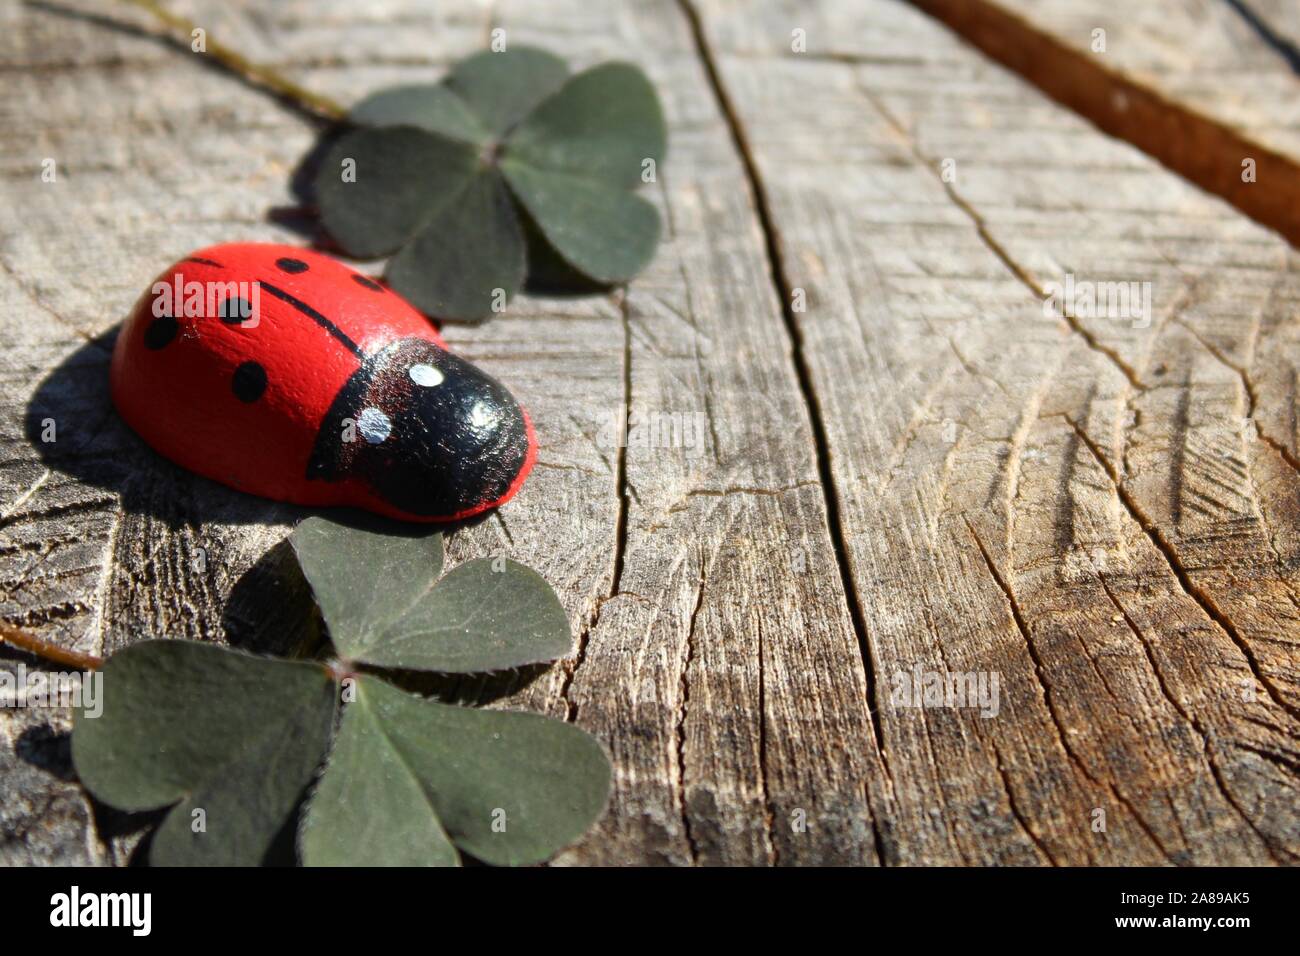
x=1204, y=86
x=890, y=461
x=1097, y=510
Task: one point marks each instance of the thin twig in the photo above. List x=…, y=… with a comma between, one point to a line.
x=256, y=73
x=51, y=652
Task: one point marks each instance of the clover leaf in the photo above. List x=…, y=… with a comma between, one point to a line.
x=383, y=603
x=471, y=184
x=410, y=777
x=231, y=741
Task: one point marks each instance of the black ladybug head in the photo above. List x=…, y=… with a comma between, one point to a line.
x=426, y=431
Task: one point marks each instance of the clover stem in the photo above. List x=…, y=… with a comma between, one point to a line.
x=51, y=652
x=256, y=73
x=340, y=669
x=490, y=153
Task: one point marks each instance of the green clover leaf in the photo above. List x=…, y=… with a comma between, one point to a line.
x=472, y=183
x=231, y=741
x=384, y=605
x=409, y=777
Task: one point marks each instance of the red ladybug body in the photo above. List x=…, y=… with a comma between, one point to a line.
x=287, y=374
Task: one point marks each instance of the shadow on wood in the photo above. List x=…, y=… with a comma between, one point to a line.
x=72, y=424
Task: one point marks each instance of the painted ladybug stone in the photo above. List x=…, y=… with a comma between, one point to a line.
x=284, y=373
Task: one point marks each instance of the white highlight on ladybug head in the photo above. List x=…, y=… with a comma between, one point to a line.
x=425, y=375
x=374, y=425
x=483, y=416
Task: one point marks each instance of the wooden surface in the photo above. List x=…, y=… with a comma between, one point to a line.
x=1232, y=60
x=1204, y=86
x=904, y=463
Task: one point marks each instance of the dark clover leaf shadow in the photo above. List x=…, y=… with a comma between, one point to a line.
x=189, y=729
x=270, y=609
x=50, y=751
x=47, y=749
x=304, y=217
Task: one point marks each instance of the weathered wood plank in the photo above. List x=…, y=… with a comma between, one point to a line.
x=1076, y=504
x=1101, y=514
x=1205, y=86
x=729, y=690
x=1202, y=54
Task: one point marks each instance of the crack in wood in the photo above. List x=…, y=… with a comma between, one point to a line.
x=1210, y=763
x=621, y=490
x=986, y=237
x=1280, y=44
x=1040, y=672
x=1019, y=815
x=1252, y=396
x=683, y=698
x=1189, y=586
x=803, y=374
x=50, y=311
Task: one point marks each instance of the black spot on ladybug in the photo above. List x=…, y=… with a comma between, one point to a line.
x=160, y=332
x=291, y=265
x=234, y=311
x=249, y=382
x=203, y=262
x=367, y=282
